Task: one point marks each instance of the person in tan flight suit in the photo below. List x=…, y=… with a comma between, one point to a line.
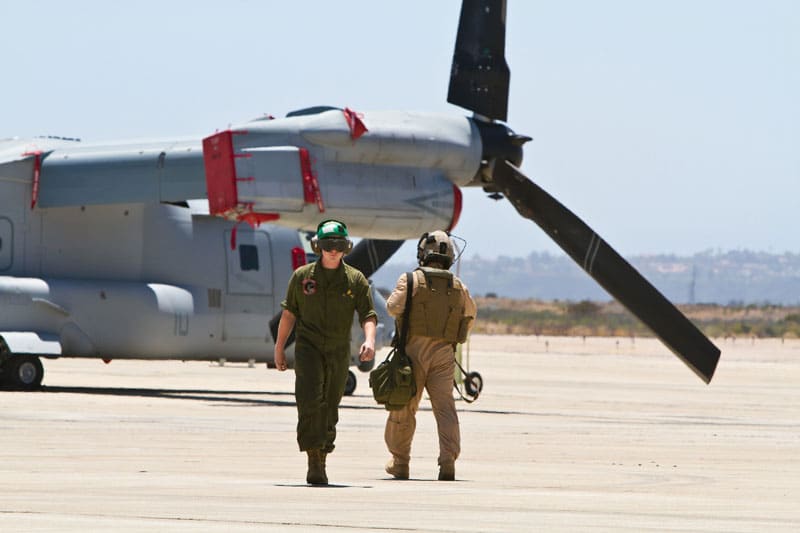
x=442, y=313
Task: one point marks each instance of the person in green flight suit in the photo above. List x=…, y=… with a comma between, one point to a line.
x=320, y=302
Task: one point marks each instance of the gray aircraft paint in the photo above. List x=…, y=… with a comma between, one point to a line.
x=102, y=267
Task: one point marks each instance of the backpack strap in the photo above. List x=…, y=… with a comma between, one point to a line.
x=401, y=341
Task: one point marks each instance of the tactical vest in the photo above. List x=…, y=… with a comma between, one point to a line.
x=437, y=308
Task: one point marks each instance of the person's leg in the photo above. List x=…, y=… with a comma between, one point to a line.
x=440, y=389
x=337, y=366
x=401, y=424
x=308, y=392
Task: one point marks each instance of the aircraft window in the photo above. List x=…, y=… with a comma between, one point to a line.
x=248, y=257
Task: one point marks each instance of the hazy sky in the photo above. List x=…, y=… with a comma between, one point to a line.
x=668, y=126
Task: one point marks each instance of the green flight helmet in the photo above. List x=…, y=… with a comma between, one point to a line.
x=331, y=235
x=331, y=229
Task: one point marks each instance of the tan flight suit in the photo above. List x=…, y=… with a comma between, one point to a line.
x=432, y=358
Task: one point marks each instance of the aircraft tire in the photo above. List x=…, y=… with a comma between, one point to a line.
x=25, y=372
x=350, y=386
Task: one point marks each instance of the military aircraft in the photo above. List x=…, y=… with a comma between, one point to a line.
x=181, y=248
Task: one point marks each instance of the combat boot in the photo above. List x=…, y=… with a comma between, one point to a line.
x=316, y=468
x=447, y=471
x=397, y=470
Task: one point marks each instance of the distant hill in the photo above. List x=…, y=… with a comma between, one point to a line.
x=733, y=277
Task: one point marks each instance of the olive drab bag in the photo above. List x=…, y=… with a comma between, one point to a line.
x=392, y=382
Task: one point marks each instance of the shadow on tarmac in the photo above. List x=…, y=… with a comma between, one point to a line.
x=240, y=397
x=328, y=486
x=227, y=396
x=214, y=396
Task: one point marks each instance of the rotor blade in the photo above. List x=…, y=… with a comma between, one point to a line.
x=610, y=270
x=370, y=254
x=479, y=76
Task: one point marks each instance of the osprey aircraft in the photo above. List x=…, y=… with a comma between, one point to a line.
x=182, y=248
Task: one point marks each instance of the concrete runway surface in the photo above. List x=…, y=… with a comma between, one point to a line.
x=568, y=435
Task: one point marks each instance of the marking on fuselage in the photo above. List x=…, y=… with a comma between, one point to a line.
x=419, y=202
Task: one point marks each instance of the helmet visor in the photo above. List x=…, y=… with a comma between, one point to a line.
x=329, y=245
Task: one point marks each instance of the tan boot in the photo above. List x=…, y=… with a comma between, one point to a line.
x=447, y=471
x=397, y=470
x=316, y=468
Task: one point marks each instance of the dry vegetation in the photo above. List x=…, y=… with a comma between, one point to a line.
x=536, y=317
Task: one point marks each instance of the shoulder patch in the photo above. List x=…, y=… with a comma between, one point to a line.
x=309, y=286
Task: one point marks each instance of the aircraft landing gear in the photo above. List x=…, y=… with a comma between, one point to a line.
x=350, y=386
x=22, y=372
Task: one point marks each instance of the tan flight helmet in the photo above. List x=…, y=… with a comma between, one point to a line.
x=435, y=247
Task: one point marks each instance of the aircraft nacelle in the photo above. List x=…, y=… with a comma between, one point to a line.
x=391, y=175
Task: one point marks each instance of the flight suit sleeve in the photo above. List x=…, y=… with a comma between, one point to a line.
x=291, y=303
x=396, y=303
x=364, y=305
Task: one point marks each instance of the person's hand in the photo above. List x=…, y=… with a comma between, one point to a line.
x=280, y=359
x=367, y=352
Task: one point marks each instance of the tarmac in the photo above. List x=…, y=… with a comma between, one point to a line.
x=569, y=434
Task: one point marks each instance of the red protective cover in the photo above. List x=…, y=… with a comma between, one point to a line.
x=458, y=203
x=220, y=172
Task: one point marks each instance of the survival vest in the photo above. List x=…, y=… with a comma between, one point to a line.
x=437, y=308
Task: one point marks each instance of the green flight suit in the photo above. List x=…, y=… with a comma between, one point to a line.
x=323, y=302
